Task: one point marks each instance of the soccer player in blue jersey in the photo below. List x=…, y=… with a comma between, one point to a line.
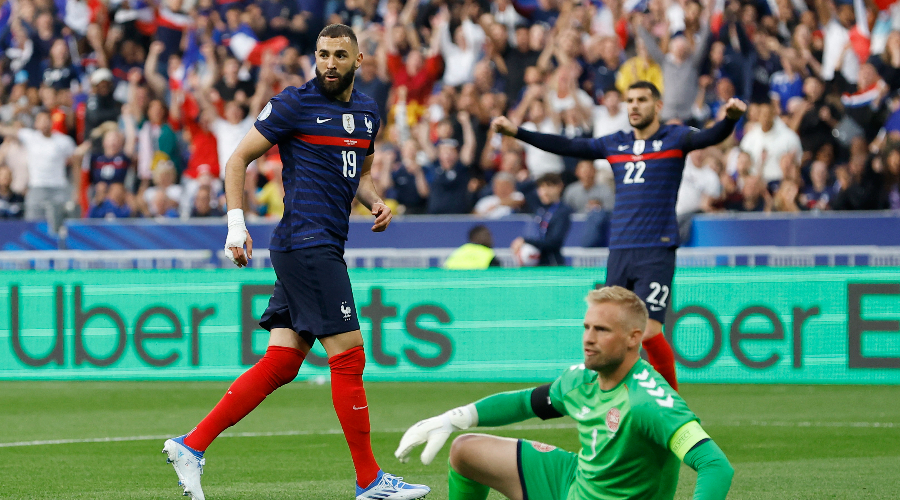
x=647, y=163
x=325, y=132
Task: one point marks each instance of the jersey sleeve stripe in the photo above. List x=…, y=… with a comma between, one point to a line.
x=324, y=140
x=672, y=153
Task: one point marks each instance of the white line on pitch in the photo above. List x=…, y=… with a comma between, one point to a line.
x=751, y=423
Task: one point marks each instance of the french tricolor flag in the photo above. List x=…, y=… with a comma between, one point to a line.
x=246, y=47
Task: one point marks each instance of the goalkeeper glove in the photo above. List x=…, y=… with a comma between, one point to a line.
x=434, y=431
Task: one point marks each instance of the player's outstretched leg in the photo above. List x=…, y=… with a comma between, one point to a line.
x=480, y=462
x=278, y=367
x=659, y=352
x=349, y=398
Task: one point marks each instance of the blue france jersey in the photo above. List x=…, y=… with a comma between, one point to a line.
x=648, y=175
x=323, y=143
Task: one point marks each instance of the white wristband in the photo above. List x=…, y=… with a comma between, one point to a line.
x=236, y=218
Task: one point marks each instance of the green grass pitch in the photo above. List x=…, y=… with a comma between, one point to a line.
x=785, y=442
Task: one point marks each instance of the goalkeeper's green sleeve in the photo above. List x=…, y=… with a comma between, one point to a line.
x=505, y=408
x=714, y=473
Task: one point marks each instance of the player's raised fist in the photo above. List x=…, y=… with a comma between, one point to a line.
x=504, y=126
x=735, y=108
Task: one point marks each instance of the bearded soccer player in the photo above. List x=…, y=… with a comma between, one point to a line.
x=325, y=132
x=633, y=427
x=647, y=163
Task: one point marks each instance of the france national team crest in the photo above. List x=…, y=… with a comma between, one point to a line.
x=345, y=309
x=638, y=146
x=349, y=124
x=612, y=419
x=657, y=145
x=369, y=124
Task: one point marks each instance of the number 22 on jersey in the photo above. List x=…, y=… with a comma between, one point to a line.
x=349, y=163
x=634, y=172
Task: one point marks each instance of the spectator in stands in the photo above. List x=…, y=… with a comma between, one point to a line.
x=768, y=140
x=59, y=72
x=101, y=106
x=373, y=82
x=159, y=198
x=610, y=116
x=11, y=202
x=787, y=83
x=156, y=136
x=410, y=185
x=115, y=205
x=862, y=187
x=48, y=155
x=478, y=253
x=888, y=62
x=641, y=67
x=587, y=194
x=449, y=188
x=114, y=164
x=700, y=188
x=840, y=29
x=460, y=49
x=815, y=118
x=271, y=196
x=681, y=69
x=517, y=59
x=754, y=196
x=504, y=199
x=14, y=155
x=203, y=206
x=866, y=106
x=535, y=115
x=787, y=197
x=551, y=224
x=892, y=180
x=817, y=195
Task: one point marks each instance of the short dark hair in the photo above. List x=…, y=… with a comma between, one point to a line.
x=643, y=84
x=481, y=235
x=549, y=178
x=338, y=31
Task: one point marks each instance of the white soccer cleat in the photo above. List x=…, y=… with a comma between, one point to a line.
x=188, y=465
x=389, y=487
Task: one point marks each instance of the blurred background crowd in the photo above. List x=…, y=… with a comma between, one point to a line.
x=130, y=108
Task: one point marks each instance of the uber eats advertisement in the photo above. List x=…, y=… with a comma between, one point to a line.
x=832, y=326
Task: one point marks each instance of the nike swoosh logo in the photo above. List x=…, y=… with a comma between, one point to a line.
x=320, y=120
x=655, y=308
x=360, y=408
x=623, y=148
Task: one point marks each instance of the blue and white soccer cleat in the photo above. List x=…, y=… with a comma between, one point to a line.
x=188, y=465
x=386, y=486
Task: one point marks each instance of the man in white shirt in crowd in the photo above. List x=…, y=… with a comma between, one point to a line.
x=768, y=141
x=48, y=154
x=504, y=200
x=587, y=194
x=610, y=117
x=700, y=186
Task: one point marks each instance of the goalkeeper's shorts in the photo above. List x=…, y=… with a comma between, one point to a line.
x=545, y=472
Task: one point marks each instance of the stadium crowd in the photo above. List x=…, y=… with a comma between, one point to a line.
x=130, y=108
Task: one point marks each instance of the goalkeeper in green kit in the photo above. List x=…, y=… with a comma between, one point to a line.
x=633, y=428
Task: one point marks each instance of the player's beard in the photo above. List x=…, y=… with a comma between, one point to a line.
x=645, y=121
x=334, y=89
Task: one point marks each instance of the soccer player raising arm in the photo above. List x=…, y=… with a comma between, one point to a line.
x=647, y=164
x=633, y=428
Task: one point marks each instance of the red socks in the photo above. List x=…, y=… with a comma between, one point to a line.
x=661, y=357
x=278, y=367
x=349, y=398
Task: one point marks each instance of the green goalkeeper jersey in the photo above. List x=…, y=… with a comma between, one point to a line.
x=625, y=433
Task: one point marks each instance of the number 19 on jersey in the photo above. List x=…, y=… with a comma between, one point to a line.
x=349, y=163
